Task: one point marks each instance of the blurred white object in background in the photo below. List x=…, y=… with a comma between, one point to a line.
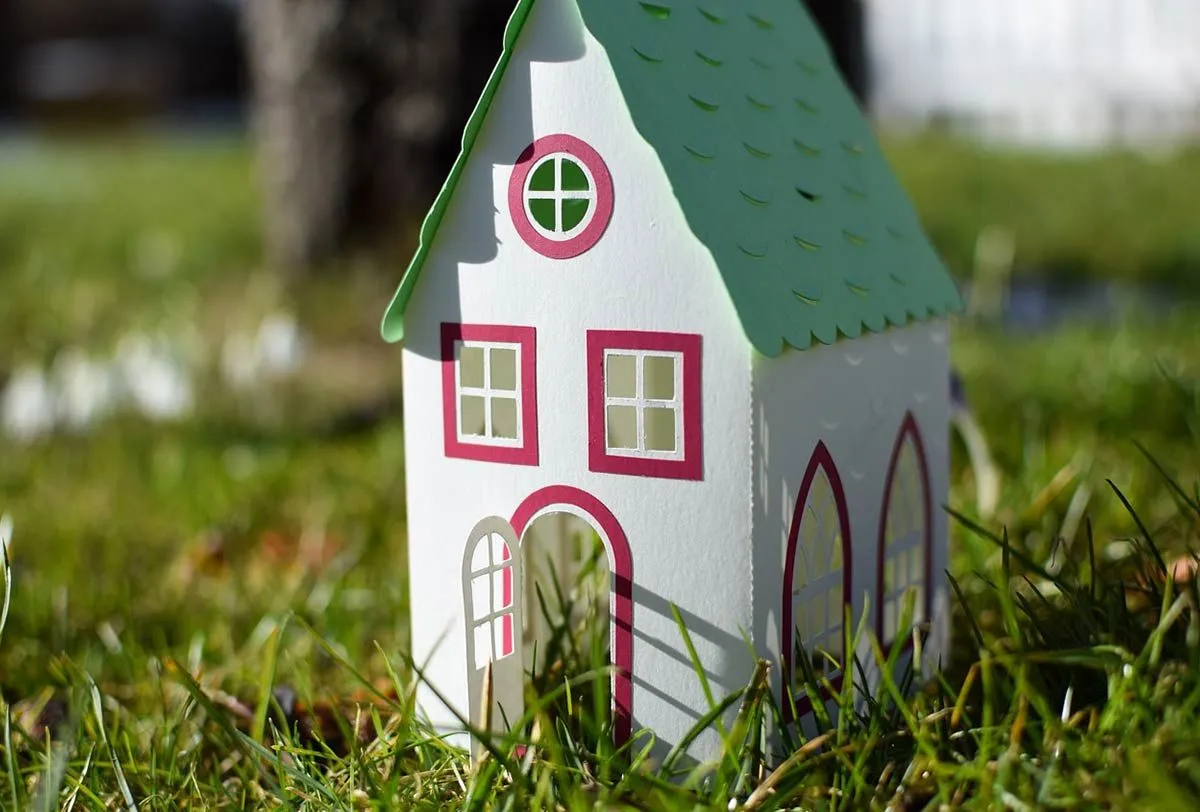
x=280, y=345
x=86, y=390
x=275, y=351
x=28, y=405
x=156, y=379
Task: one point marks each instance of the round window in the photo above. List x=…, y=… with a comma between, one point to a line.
x=560, y=196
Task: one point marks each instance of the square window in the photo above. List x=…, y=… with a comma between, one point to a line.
x=504, y=418
x=489, y=393
x=644, y=404
x=660, y=429
x=504, y=369
x=622, y=427
x=470, y=366
x=658, y=373
x=473, y=417
x=621, y=376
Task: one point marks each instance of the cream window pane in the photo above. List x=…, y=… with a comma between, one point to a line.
x=471, y=418
x=658, y=377
x=803, y=574
x=889, y=619
x=660, y=430
x=620, y=376
x=470, y=366
x=915, y=566
x=504, y=369
x=622, y=427
x=889, y=574
x=808, y=529
x=483, y=645
x=920, y=610
x=481, y=598
x=500, y=553
x=504, y=418
x=817, y=614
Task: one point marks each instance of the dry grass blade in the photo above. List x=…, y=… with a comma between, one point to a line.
x=763, y=791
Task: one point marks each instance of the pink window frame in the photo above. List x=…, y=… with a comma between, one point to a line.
x=908, y=430
x=586, y=155
x=621, y=604
x=526, y=338
x=821, y=460
x=691, y=466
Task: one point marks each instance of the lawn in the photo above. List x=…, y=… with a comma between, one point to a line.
x=209, y=611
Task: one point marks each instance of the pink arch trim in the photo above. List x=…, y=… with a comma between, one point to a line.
x=909, y=430
x=622, y=570
x=821, y=460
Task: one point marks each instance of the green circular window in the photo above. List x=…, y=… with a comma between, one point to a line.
x=560, y=197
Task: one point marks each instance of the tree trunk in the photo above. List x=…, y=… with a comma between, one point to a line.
x=359, y=109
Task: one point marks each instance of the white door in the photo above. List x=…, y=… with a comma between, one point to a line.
x=491, y=591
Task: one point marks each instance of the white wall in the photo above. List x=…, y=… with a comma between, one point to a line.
x=690, y=540
x=1064, y=73
x=853, y=396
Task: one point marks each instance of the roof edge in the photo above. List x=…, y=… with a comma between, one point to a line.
x=392, y=327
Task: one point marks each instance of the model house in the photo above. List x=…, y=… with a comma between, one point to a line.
x=671, y=299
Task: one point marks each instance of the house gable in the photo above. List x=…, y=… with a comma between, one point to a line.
x=775, y=167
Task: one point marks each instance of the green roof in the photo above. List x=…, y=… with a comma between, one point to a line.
x=774, y=165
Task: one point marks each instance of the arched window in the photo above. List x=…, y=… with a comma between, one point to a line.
x=905, y=535
x=491, y=599
x=817, y=576
x=491, y=575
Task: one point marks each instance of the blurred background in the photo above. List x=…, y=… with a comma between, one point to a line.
x=206, y=204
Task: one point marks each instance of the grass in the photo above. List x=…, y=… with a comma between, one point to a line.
x=1116, y=216
x=211, y=613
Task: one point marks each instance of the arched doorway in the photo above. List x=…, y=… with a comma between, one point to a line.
x=579, y=503
x=816, y=580
x=905, y=536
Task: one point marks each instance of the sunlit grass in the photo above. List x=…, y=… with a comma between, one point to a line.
x=234, y=585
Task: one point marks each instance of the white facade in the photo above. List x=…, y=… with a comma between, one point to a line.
x=713, y=546
x=1058, y=73
x=686, y=537
x=853, y=397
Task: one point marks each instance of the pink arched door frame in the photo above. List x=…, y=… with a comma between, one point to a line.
x=821, y=460
x=909, y=430
x=621, y=564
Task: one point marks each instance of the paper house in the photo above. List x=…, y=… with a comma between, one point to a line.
x=671, y=295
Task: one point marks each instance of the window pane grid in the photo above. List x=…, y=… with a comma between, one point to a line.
x=558, y=229
x=818, y=599
x=490, y=396
x=492, y=642
x=644, y=407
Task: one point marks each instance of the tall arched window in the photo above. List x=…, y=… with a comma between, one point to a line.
x=490, y=597
x=905, y=535
x=817, y=576
x=491, y=580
